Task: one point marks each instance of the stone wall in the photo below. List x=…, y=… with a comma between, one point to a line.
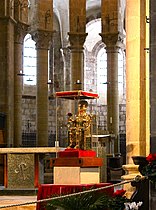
x=29, y=115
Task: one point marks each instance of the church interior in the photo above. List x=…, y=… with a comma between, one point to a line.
x=77, y=95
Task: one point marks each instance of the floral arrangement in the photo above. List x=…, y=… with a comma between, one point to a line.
x=133, y=205
x=149, y=170
x=118, y=200
x=91, y=201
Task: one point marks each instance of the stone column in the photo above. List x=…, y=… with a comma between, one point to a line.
x=152, y=76
x=43, y=40
x=77, y=36
x=112, y=36
x=152, y=51
x=112, y=94
x=112, y=89
x=20, y=31
x=7, y=69
x=41, y=18
x=21, y=26
x=77, y=60
x=136, y=92
x=136, y=79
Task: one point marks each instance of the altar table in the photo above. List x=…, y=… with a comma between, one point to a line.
x=49, y=190
x=24, y=167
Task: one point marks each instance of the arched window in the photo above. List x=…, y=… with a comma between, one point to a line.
x=95, y=73
x=29, y=61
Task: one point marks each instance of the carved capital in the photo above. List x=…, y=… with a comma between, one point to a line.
x=21, y=29
x=42, y=38
x=113, y=39
x=77, y=40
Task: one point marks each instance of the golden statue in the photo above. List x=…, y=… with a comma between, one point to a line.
x=79, y=128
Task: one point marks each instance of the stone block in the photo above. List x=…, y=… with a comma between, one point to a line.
x=76, y=175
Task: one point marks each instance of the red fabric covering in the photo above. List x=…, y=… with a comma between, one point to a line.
x=48, y=190
x=76, y=153
x=79, y=94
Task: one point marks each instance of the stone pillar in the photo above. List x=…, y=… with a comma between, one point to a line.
x=7, y=69
x=152, y=51
x=43, y=40
x=152, y=76
x=21, y=26
x=77, y=36
x=41, y=18
x=136, y=79
x=77, y=60
x=136, y=91
x=112, y=93
x=20, y=31
x=112, y=36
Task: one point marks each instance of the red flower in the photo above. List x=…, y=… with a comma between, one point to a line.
x=119, y=193
x=69, y=114
x=151, y=157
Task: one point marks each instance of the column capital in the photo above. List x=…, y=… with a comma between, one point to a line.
x=77, y=40
x=113, y=39
x=21, y=29
x=43, y=38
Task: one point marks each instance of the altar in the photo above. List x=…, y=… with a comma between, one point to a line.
x=24, y=167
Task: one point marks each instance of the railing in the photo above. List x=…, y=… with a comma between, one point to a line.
x=141, y=193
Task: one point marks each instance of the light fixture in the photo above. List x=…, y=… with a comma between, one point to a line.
x=29, y=80
x=26, y=75
x=78, y=82
x=105, y=83
x=50, y=82
x=21, y=73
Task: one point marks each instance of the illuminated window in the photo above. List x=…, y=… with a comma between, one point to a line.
x=29, y=61
x=96, y=64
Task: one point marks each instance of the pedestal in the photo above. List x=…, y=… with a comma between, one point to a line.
x=76, y=167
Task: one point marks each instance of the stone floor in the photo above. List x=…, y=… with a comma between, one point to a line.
x=9, y=200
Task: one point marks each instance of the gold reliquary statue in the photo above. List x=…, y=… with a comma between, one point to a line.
x=79, y=128
x=79, y=124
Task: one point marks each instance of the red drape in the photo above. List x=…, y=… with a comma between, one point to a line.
x=49, y=190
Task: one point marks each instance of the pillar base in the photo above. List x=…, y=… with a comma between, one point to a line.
x=131, y=171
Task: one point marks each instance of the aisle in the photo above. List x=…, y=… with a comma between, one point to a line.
x=8, y=200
